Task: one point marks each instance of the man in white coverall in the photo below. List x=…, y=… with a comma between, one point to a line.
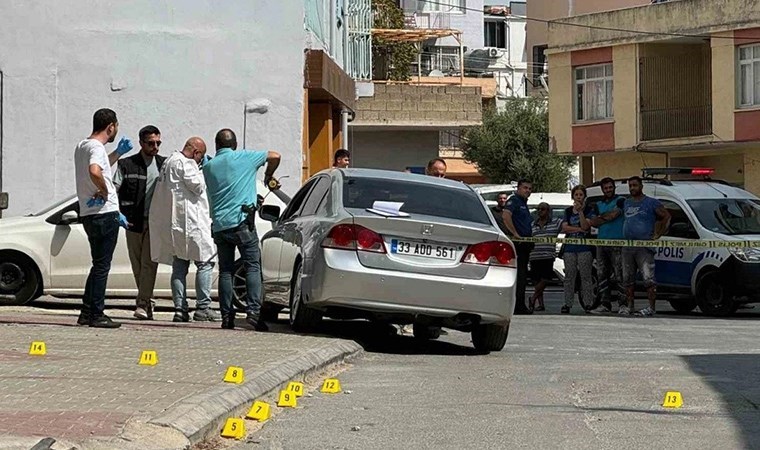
x=179, y=216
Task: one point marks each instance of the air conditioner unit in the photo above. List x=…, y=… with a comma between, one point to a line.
x=493, y=52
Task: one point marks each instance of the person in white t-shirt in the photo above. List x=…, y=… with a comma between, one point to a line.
x=99, y=211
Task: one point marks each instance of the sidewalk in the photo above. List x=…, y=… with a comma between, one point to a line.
x=89, y=391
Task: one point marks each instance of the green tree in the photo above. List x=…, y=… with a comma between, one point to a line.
x=514, y=144
x=391, y=60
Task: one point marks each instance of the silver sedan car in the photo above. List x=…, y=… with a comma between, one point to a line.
x=391, y=247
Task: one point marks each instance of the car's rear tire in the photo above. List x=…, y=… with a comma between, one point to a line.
x=713, y=297
x=490, y=338
x=270, y=312
x=19, y=279
x=425, y=332
x=684, y=306
x=302, y=318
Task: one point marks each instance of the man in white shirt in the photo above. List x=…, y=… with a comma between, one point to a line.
x=181, y=223
x=99, y=211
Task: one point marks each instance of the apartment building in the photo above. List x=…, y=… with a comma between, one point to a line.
x=666, y=84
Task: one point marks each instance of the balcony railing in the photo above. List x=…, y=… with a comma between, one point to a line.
x=676, y=123
x=676, y=94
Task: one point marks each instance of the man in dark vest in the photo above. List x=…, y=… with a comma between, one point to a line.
x=135, y=180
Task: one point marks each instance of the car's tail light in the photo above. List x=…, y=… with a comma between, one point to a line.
x=492, y=253
x=354, y=237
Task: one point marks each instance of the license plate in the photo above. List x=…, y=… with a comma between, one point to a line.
x=437, y=251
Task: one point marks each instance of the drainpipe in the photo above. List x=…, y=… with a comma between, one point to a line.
x=3, y=196
x=333, y=27
x=344, y=127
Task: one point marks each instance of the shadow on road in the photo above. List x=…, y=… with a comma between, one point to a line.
x=735, y=378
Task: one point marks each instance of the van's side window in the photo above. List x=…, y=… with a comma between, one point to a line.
x=680, y=225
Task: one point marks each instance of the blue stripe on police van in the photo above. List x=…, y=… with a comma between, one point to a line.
x=677, y=273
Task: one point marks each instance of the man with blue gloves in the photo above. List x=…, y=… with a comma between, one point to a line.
x=231, y=186
x=135, y=181
x=99, y=211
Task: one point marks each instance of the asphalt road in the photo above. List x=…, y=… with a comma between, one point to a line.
x=563, y=381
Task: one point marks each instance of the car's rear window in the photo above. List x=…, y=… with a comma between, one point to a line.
x=418, y=198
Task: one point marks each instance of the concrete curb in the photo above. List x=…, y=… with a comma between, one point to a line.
x=200, y=416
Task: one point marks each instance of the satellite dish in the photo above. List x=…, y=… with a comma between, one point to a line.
x=435, y=73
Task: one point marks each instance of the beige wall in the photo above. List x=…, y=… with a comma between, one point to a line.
x=625, y=164
x=537, y=32
x=561, y=104
x=685, y=17
x=625, y=97
x=723, y=87
x=752, y=170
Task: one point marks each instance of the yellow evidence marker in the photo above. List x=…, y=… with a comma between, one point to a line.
x=331, y=386
x=287, y=399
x=148, y=358
x=259, y=411
x=296, y=388
x=234, y=428
x=234, y=375
x=673, y=399
x=37, y=348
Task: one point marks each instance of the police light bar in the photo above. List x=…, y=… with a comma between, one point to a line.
x=696, y=171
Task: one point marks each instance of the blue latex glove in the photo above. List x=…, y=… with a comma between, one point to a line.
x=125, y=145
x=96, y=201
x=123, y=221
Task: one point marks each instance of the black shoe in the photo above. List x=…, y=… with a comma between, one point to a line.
x=257, y=323
x=84, y=319
x=104, y=322
x=228, y=322
x=565, y=310
x=181, y=316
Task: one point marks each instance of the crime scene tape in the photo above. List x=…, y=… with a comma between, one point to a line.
x=707, y=243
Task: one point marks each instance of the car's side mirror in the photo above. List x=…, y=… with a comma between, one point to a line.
x=68, y=218
x=270, y=213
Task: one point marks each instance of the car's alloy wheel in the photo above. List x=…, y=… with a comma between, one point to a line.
x=19, y=283
x=240, y=289
x=302, y=318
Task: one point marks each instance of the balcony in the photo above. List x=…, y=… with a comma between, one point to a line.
x=675, y=91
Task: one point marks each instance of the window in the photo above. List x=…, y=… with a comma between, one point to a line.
x=593, y=92
x=680, y=225
x=449, y=139
x=316, y=197
x=749, y=75
x=294, y=207
x=418, y=198
x=495, y=34
x=456, y=6
x=728, y=215
x=538, y=63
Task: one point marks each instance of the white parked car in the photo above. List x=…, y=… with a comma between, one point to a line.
x=490, y=192
x=48, y=253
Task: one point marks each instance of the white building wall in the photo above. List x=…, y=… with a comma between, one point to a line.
x=392, y=149
x=470, y=23
x=187, y=67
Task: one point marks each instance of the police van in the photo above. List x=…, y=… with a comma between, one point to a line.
x=718, y=280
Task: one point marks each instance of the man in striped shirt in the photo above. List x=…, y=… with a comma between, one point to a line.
x=542, y=256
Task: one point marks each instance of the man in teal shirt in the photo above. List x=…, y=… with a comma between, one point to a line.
x=609, y=221
x=231, y=186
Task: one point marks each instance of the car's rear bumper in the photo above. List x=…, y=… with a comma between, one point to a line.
x=339, y=280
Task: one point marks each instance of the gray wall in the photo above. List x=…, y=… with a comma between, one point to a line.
x=392, y=149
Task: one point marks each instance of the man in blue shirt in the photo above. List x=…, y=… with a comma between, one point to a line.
x=231, y=186
x=518, y=221
x=609, y=222
x=645, y=218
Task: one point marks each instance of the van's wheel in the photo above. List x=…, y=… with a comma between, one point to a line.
x=683, y=306
x=302, y=318
x=490, y=338
x=713, y=296
x=425, y=332
x=19, y=281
